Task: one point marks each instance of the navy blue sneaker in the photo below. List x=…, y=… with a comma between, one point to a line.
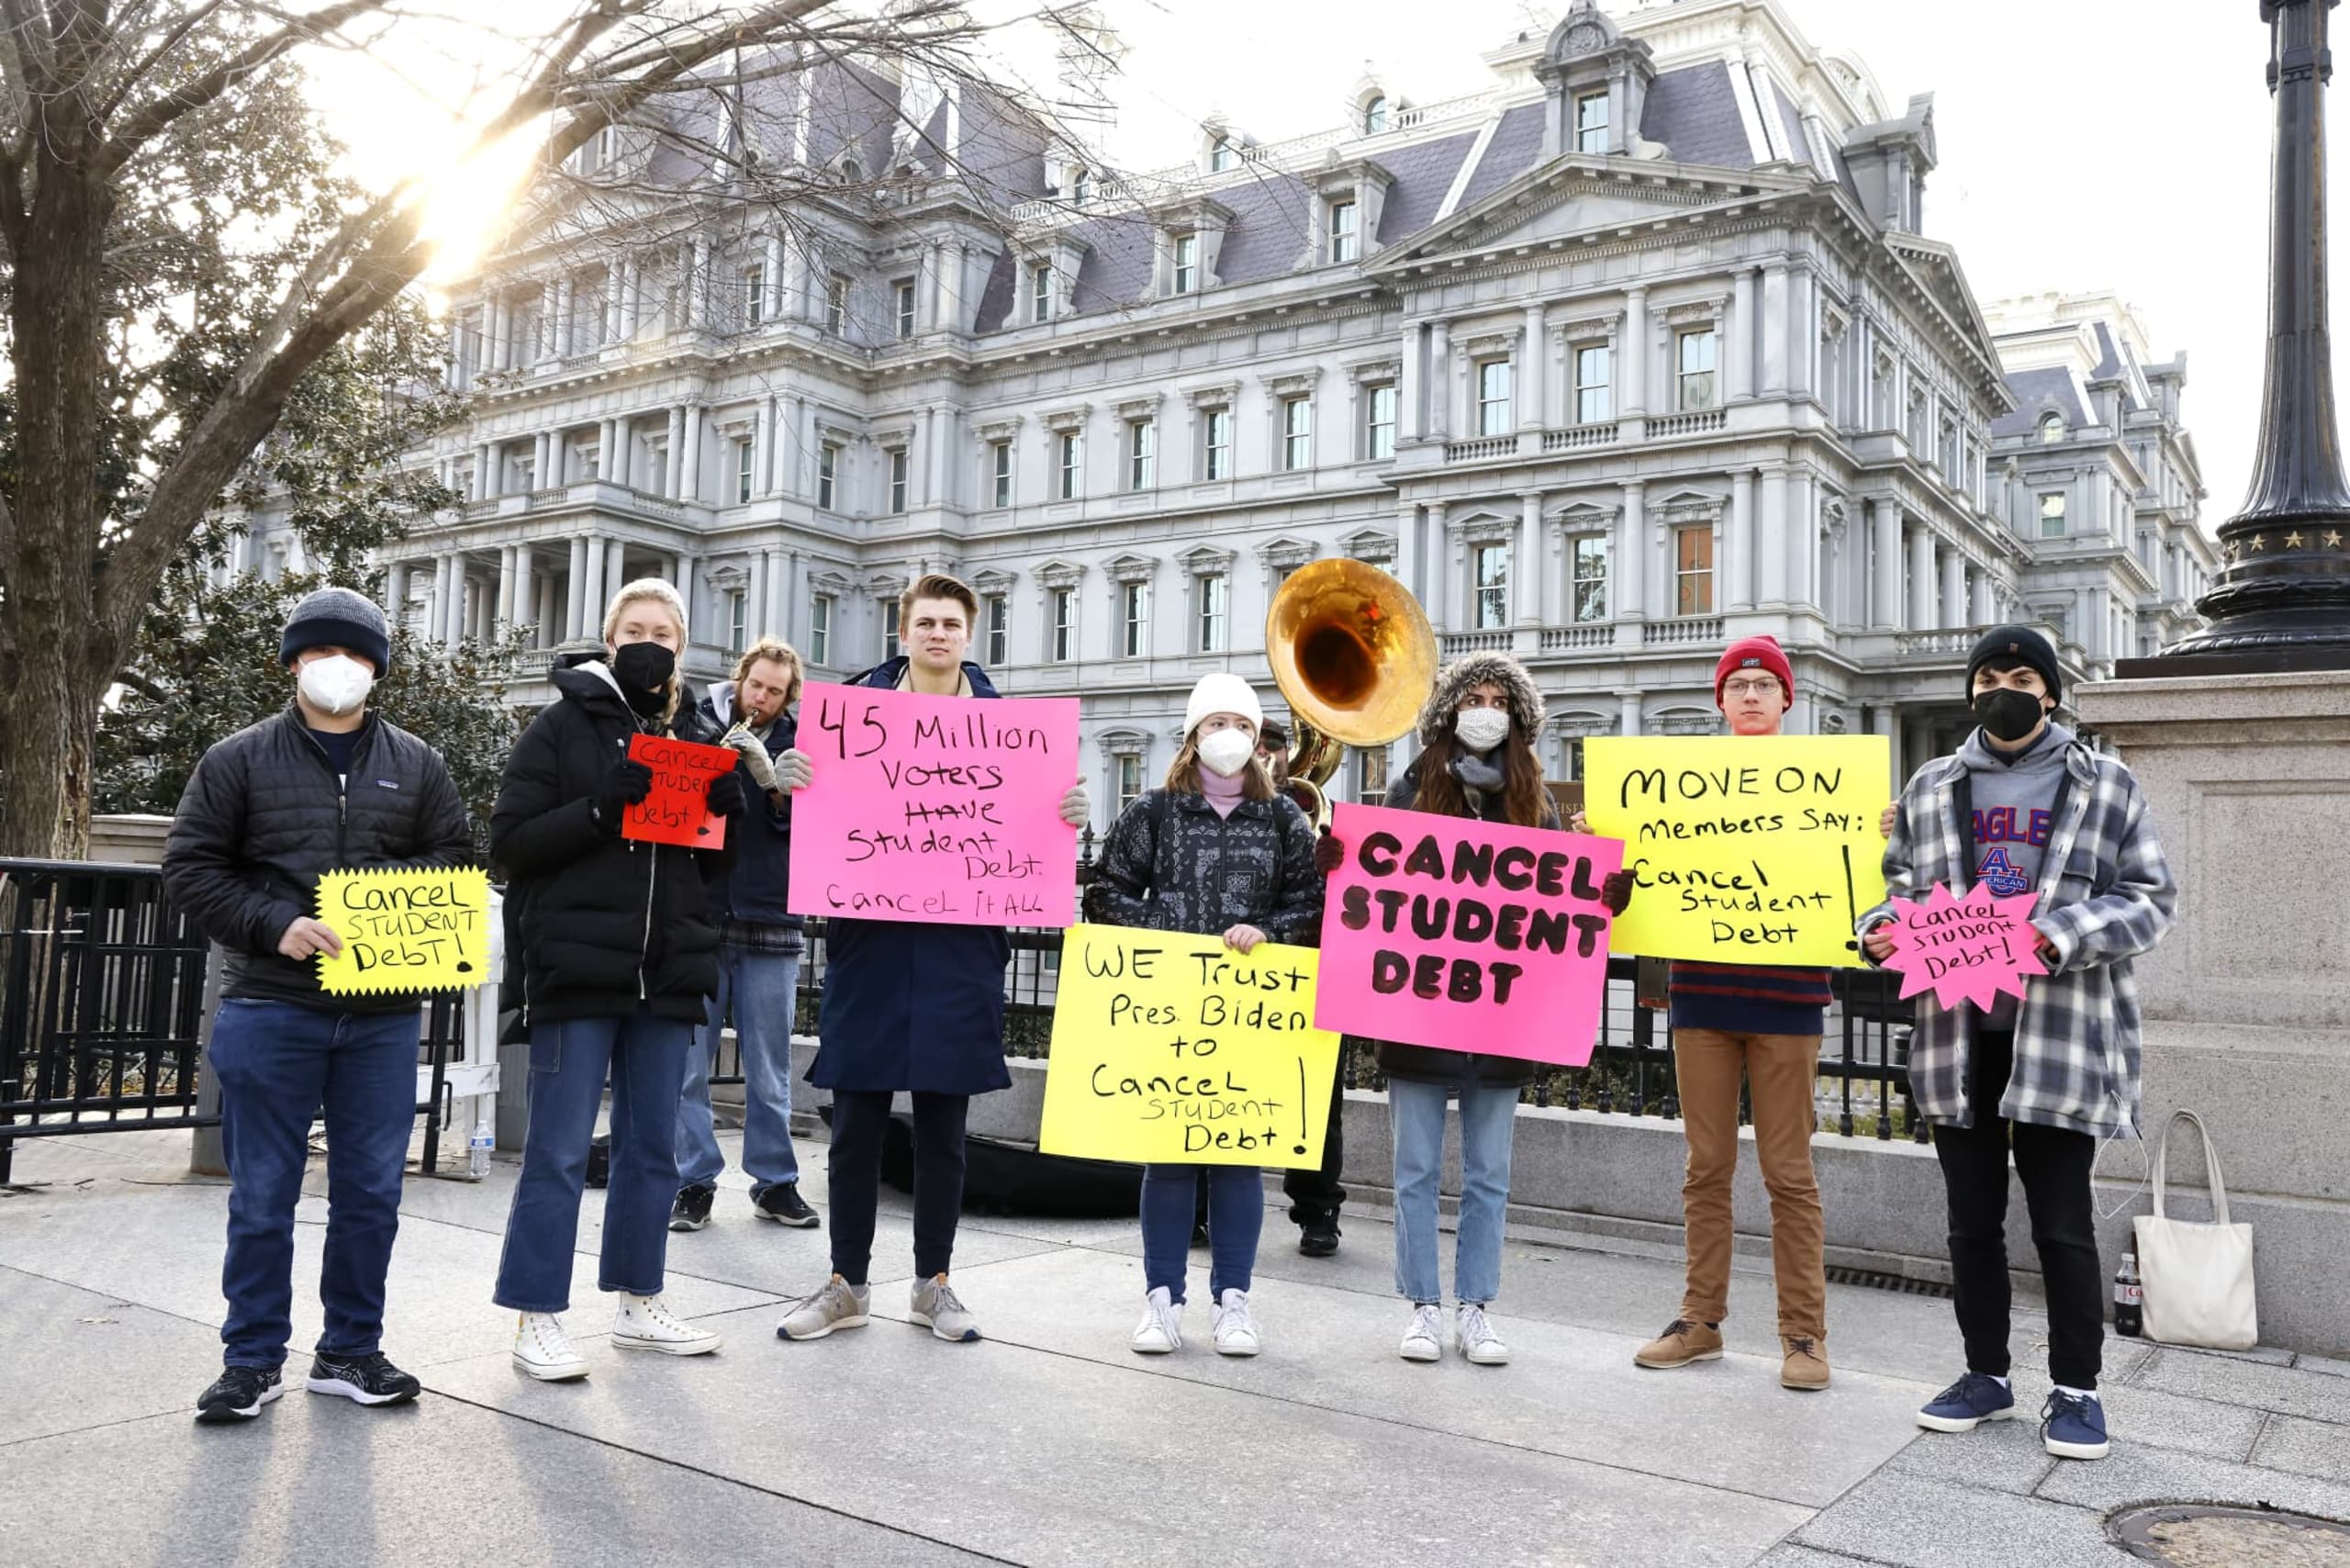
x=1967, y=1404
x=2071, y=1425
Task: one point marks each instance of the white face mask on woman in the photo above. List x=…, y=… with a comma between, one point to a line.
x=337, y=683
x=1482, y=729
x=1227, y=752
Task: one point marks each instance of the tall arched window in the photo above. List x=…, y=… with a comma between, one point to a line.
x=1080, y=186
x=2052, y=428
x=1374, y=115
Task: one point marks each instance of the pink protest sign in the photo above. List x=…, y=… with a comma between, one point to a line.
x=1465, y=935
x=942, y=808
x=1965, y=949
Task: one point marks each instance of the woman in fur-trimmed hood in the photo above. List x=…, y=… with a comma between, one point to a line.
x=1500, y=780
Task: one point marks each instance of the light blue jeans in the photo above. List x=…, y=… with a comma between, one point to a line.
x=762, y=991
x=1488, y=1117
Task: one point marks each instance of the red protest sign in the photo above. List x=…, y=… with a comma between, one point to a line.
x=1464, y=934
x=676, y=810
x=1965, y=949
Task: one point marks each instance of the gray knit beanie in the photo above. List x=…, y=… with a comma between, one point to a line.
x=336, y=617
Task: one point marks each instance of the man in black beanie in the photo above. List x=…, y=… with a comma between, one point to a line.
x=2025, y=807
x=323, y=786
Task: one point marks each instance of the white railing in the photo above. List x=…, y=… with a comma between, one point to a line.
x=1566, y=638
x=1455, y=644
x=1481, y=449
x=1687, y=628
x=1575, y=436
x=1701, y=423
x=534, y=661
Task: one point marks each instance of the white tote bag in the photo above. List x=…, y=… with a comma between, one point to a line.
x=2198, y=1277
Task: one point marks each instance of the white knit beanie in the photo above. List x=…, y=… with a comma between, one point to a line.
x=1222, y=693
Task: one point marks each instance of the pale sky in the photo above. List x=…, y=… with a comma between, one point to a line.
x=2085, y=144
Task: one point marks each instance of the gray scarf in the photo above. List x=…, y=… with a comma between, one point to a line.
x=1479, y=773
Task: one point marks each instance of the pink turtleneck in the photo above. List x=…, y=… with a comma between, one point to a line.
x=1221, y=792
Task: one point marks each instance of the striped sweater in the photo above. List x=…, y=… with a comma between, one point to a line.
x=1749, y=999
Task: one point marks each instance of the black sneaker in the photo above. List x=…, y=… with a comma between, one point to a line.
x=1318, y=1238
x=691, y=1211
x=370, y=1379
x=238, y=1395
x=781, y=1203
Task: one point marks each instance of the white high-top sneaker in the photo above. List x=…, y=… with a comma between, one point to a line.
x=1161, y=1329
x=541, y=1351
x=1479, y=1344
x=645, y=1323
x=1235, y=1327
x=1424, y=1340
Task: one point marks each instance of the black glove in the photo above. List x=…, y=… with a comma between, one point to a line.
x=1328, y=853
x=1615, y=892
x=725, y=796
x=624, y=786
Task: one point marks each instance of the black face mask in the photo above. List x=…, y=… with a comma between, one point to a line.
x=2007, y=714
x=643, y=669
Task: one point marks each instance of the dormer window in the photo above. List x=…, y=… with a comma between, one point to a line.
x=1187, y=263
x=1040, y=292
x=2052, y=428
x=1590, y=122
x=1222, y=155
x=852, y=171
x=1344, y=237
x=1374, y=115
x=1080, y=186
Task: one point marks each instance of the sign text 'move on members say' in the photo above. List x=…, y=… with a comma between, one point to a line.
x=942, y=808
x=1745, y=849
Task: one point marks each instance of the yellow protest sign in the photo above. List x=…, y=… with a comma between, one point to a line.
x=1745, y=849
x=1173, y=1047
x=405, y=930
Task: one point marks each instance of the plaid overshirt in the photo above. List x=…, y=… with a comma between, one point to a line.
x=2105, y=896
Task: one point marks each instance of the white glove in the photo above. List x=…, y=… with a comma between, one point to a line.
x=1077, y=806
x=754, y=753
x=791, y=770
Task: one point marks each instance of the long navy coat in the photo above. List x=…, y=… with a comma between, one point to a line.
x=909, y=1005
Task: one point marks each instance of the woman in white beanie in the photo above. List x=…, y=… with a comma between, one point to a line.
x=1215, y=851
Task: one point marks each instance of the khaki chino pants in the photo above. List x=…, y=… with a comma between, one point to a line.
x=1779, y=1070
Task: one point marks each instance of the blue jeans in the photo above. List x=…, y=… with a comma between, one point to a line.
x=1235, y=1219
x=646, y=1057
x=277, y=1065
x=762, y=988
x=1488, y=1117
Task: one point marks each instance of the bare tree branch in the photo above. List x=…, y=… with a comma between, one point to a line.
x=172, y=37
x=146, y=121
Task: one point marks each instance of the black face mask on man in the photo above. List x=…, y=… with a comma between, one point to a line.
x=643, y=669
x=2007, y=714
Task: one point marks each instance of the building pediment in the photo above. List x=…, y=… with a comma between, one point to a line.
x=1288, y=554
x=1130, y=568
x=993, y=580
x=1205, y=560
x=1060, y=574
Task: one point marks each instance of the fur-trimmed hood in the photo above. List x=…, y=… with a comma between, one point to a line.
x=1525, y=702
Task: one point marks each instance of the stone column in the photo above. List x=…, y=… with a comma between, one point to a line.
x=525, y=612
x=1439, y=390
x=670, y=458
x=1631, y=560
x=1534, y=372
x=1884, y=555
x=504, y=614
x=574, y=593
x=1411, y=385
x=691, y=474
x=1774, y=328
x=1983, y=613
x=1525, y=568
x=1954, y=589
x=776, y=612
x=698, y=286
x=1885, y=720
x=1738, y=347
x=485, y=471
x=1803, y=338
x=1410, y=549
x=592, y=592
x=1632, y=352
x=760, y=426
x=1921, y=578
x=1631, y=710
x=1776, y=548
x=1802, y=540
x=754, y=601
x=1736, y=566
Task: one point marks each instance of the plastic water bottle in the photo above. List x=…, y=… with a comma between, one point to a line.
x=477, y=1149
x=2129, y=1298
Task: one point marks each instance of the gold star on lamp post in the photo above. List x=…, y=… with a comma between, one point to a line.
x=2293, y=540
x=2260, y=541
x=2334, y=539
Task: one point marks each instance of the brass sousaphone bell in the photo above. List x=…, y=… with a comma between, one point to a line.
x=1353, y=656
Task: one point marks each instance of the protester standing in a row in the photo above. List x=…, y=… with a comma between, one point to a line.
x=760, y=946
x=907, y=1007
x=1214, y=852
x=619, y=960
x=326, y=784
x=2025, y=806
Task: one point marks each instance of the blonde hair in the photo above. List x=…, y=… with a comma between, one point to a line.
x=1183, y=773
x=779, y=652
x=654, y=587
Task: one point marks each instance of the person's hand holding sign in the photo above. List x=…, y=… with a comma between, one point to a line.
x=628, y=783
x=307, y=938
x=1886, y=818
x=792, y=771
x=726, y=794
x=1878, y=943
x=1077, y=808
x=1241, y=938
x=1328, y=853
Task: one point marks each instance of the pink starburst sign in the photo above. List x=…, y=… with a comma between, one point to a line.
x=1965, y=948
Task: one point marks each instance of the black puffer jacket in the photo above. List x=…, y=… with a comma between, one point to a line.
x=1426, y=1064
x=264, y=815
x=1171, y=864
x=605, y=921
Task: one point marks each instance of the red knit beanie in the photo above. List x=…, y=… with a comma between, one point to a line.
x=1756, y=653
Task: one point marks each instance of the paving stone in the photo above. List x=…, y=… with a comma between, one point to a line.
x=2135, y=1475
x=2313, y=1448
x=2141, y=1415
x=1905, y=1519
x=316, y=1479
x=1793, y=1556
x=2004, y=1456
x=2258, y=1384
x=78, y=1358
x=2329, y=1365
x=1056, y=1460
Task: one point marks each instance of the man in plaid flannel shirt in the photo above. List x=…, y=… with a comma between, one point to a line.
x=2026, y=805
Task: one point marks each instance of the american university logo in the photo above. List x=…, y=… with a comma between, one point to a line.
x=2001, y=875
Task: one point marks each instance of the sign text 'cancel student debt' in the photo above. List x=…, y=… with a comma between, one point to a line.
x=944, y=809
x=1745, y=849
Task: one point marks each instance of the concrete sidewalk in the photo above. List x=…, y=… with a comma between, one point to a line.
x=1049, y=1443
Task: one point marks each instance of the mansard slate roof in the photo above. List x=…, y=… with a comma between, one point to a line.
x=1692, y=112
x=2036, y=392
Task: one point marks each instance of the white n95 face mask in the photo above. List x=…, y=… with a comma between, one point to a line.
x=1482, y=729
x=1227, y=752
x=337, y=683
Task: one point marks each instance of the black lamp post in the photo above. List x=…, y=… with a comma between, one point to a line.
x=2282, y=601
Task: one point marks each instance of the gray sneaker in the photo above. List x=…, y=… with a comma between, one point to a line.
x=838, y=1306
x=937, y=1309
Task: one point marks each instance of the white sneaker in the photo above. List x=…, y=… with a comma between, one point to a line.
x=1424, y=1340
x=1236, y=1329
x=1162, y=1324
x=541, y=1351
x=1479, y=1344
x=645, y=1323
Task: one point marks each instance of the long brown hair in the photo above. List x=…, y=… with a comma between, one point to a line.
x=1525, y=803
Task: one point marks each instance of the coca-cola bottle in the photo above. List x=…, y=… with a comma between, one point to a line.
x=2129, y=1298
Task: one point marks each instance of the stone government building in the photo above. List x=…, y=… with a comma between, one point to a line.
x=1636, y=351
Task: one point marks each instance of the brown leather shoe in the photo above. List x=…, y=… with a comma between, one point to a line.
x=1680, y=1343
x=1804, y=1365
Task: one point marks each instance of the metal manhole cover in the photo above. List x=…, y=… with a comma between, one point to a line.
x=2194, y=1535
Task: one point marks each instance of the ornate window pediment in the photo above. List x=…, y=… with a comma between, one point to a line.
x=1481, y=527
x=1490, y=345
x=1123, y=742
x=1288, y=554
x=728, y=579
x=1294, y=383
x=1060, y=574
x=999, y=429
x=1582, y=517
x=1130, y=568
x=833, y=434
x=1696, y=312
x=1142, y=408
x=1067, y=422
x=831, y=582
x=1583, y=725
x=896, y=435
x=1691, y=506
x=885, y=584
x=1219, y=396
x=1372, y=372
x=1371, y=544
x=994, y=579
x=1205, y=561
x=1589, y=329
x=1686, y=722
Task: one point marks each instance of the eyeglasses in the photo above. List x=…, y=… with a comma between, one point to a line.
x=1763, y=686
